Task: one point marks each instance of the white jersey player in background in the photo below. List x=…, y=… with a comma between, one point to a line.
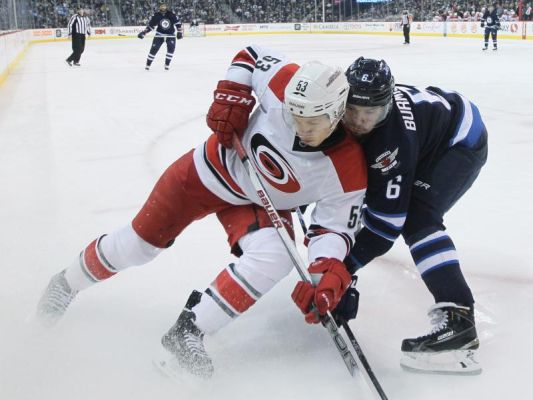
x=302, y=159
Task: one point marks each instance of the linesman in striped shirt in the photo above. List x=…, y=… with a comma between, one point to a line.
x=406, y=25
x=78, y=26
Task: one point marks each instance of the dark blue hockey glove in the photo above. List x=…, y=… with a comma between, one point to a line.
x=179, y=35
x=348, y=305
x=141, y=35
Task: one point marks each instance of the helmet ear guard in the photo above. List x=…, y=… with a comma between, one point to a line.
x=317, y=89
x=371, y=82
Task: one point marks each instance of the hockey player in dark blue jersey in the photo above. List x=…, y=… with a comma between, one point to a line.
x=491, y=22
x=167, y=28
x=424, y=149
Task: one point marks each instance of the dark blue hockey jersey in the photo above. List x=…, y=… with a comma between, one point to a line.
x=166, y=24
x=490, y=19
x=422, y=125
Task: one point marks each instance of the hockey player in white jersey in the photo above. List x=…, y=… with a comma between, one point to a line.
x=301, y=159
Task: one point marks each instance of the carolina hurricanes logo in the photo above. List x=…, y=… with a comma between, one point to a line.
x=272, y=165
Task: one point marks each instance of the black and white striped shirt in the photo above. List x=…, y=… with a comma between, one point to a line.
x=79, y=24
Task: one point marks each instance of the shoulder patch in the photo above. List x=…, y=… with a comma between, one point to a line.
x=386, y=161
x=280, y=80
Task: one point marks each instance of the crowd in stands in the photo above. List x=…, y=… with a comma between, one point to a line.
x=473, y=11
x=138, y=12
x=56, y=13
x=442, y=10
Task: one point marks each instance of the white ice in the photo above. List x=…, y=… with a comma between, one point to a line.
x=80, y=150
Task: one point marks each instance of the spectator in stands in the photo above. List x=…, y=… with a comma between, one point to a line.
x=527, y=12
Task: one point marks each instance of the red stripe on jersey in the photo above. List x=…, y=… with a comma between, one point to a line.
x=232, y=292
x=322, y=231
x=313, y=233
x=350, y=163
x=213, y=156
x=279, y=81
x=93, y=264
x=245, y=57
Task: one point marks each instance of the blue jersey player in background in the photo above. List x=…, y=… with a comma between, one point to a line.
x=167, y=28
x=491, y=22
x=424, y=149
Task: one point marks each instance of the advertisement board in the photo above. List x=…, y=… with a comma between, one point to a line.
x=509, y=30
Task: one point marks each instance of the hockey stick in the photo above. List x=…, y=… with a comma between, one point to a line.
x=327, y=320
x=363, y=364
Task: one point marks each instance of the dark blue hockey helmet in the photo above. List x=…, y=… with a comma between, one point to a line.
x=371, y=82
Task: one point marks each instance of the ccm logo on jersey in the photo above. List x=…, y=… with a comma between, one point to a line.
x=386, y=161
x=233, y=99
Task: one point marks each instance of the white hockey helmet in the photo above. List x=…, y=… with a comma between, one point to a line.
x=317, y=89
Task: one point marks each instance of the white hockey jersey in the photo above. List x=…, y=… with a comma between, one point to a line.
x=333, y=175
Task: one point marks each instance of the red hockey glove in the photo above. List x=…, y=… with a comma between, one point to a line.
x=333, y=280
x=230, y=110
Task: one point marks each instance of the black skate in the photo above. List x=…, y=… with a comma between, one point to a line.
x=55, y=300
x=485, y=48
x=185, y=342
x=69, y=63
x=450, y=346
x=167, y=67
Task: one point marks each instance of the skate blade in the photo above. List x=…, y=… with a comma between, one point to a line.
x=41, y=321
x=453, y=362
x=169, y=366
x=166, y=369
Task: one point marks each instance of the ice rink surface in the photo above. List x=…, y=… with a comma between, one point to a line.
x=80, y=150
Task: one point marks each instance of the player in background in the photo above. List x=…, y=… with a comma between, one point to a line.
x=406, y=26
x=424, y=149
x=491, y=22
x=167, y=29
x=301, y=159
